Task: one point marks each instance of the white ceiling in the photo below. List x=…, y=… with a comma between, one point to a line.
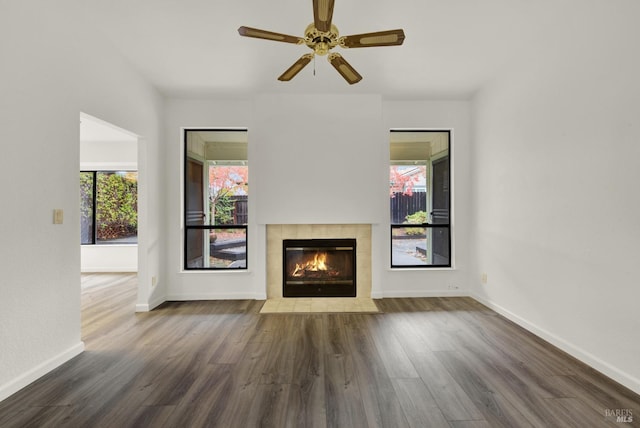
x=452, y=47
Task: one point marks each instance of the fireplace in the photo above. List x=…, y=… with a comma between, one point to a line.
x=319, y=267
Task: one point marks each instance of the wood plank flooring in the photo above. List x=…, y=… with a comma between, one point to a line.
x=428, y=362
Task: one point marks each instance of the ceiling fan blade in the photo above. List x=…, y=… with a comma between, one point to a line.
x=344, y=68
x=323, y=14
x=295, y=68
x=379, y=38
x=268, y=35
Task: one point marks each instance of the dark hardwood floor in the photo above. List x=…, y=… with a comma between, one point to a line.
x=428, y=362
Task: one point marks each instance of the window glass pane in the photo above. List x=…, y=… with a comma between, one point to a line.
x=440, y=238
x=86, y=208
x=117, y=207
x=408, y=193
x=408, y=247
x=216, y=248
x=228, y=248
x=420, y=246
x=195, y=248
x=228, y=193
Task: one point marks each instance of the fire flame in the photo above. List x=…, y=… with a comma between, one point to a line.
x=318, y=263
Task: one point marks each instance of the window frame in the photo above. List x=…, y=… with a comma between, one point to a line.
x=191, y=227
x=94, y=185
x=448, y=226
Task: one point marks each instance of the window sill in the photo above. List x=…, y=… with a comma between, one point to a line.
x=108, y=245
x=216, y=271
x=421, y=269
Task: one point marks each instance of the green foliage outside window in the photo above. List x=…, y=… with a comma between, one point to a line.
x=222, y=209
x=419, y=217
x=116, y=205
x=86, y=195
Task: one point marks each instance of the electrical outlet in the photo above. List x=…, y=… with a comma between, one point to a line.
x=452, y=287
x=484, y=278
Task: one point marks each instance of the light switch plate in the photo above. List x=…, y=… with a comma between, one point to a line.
x=58, y=216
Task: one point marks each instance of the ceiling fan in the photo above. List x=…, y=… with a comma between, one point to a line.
x=321, y=36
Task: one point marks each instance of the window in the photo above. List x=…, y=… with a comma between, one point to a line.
x=108, y=207
x=420, y=198
x=216, y=193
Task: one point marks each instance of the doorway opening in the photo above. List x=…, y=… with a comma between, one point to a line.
x=109, y=197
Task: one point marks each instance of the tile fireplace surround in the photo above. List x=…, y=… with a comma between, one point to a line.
x=277, y=232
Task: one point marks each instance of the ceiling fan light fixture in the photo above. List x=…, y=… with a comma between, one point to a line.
x=321, y=36
x=321, y=48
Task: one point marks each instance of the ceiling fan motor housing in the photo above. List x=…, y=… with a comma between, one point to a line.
x=319, y=41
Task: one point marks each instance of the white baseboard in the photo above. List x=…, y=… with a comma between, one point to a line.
x=40, y=370
x=216, y=296
x=591, y=360
x=143, y=307
x=422, y=293
x=116, y=269
x=146, y=307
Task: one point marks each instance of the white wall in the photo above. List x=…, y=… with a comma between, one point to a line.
x=49, y=74
x=108, y=155
x=555, y=175
x=319, y=159
x=316, y=160
x=109, y=258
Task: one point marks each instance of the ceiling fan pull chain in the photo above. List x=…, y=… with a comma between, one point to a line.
x=314, y=65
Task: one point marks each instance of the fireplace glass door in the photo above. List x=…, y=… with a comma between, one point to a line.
x=319, y=268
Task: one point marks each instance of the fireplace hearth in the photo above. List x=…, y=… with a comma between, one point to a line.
x=319, y=267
